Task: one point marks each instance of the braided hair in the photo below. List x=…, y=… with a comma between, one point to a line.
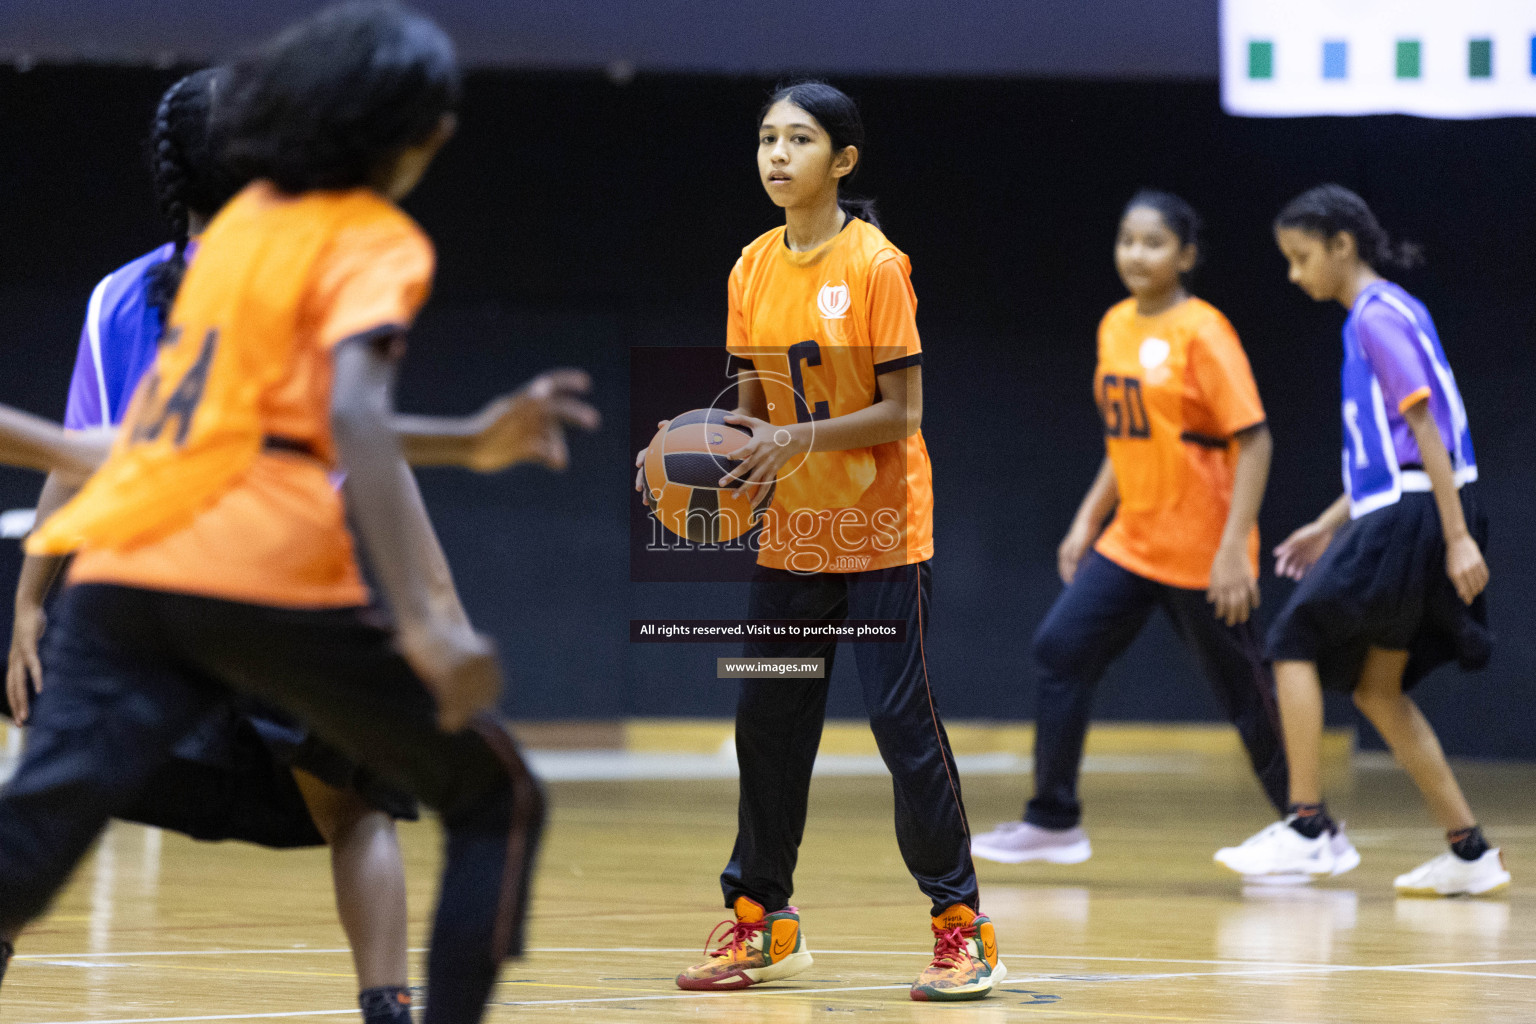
x=188, y=177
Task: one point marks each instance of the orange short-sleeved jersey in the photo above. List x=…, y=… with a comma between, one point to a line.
x=277, y=533
x=818, y=328
x=1172, y=389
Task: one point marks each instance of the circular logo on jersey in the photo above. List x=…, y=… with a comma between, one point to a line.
x=1154, y=352
x=833, y=300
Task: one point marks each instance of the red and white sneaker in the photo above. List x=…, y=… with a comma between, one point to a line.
x=965, y=963
x=758, y=947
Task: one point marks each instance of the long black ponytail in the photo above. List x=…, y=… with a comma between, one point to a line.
x=839, y=116
x=188, y=177
x=1329, y=209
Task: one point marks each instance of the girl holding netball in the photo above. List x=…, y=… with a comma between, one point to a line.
x=1187, y=458
x=1392, y=573
x=823, y=339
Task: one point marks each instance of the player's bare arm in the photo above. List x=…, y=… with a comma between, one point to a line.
x=24, y=670
x=32, y=442
x=896, y=415
x=457, y=663
x=1094, y=511
x=1464, y=563
x=1234, y=589
x=526, y=425
x=1298, y=552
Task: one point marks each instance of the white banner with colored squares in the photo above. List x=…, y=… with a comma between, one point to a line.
x=1434, y=58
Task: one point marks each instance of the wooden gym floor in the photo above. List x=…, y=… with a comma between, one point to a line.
x=157, y=928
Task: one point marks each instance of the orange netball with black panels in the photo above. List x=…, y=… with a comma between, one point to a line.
x=681, y=478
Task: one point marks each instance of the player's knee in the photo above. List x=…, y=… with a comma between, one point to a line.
x=1371, y=701
x=337, y=813
x=494, y=802
x=894, y=731
x=1057, y=652
x=361, y=824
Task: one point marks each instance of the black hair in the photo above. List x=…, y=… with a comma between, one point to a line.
x=839, y=117
x=326, y=102
x=187, y=174
x=1177, y=214
x=1329, y=209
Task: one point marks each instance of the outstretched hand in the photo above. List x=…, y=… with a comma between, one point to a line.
x=529, y=424
x=1301, y=550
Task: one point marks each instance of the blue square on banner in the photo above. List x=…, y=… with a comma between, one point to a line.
x=1335, y=59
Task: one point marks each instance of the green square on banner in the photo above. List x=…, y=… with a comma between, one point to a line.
x=1408, y=59
x=1480, y=58
x=1261, y=58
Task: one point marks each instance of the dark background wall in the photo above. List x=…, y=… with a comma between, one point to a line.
x=1082, y=38
x=577, y=218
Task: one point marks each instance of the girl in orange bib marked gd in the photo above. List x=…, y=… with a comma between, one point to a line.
x=823, y=344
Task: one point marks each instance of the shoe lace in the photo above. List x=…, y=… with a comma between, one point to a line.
x=950, y=948
x=736, y=934
x=1267, y=833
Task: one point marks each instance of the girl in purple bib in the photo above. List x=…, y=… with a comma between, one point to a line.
x=1392, y=573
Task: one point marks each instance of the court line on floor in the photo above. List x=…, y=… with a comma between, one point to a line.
x=840, y=990
x=221, y=969
x=182, y=952
x=1274, y=971
x=1256, y=970
x=528, y=1002
x=212, y=1016
x=841, y=952
x=662, y=766
x=818, y=992
x=1018, y=957
x=685, y=950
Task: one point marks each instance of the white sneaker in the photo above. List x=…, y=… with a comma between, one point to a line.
x=1014, y=842
x=1280, y=850
x=1449, y=875
x=1345, y=856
